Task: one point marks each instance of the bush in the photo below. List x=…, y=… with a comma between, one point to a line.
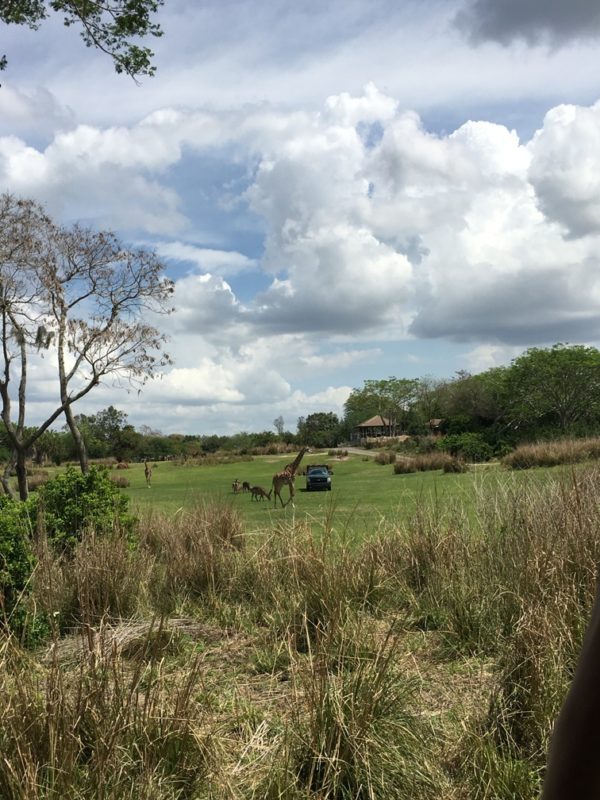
x=385, y=457
x=16, y=556
x=455, y=465
x=75, y=502
x=425, y=463
x=470, y=446
x=120, y=481
x=550, y=454
x=432, y=461
x=404, y=467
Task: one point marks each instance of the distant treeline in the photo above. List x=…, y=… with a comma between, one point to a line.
x=545, y=393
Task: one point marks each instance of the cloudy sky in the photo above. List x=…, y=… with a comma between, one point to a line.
x=342, y=190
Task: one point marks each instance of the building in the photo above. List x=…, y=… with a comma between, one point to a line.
x=372, y=428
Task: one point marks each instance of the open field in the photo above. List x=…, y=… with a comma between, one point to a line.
x=363, y=495
x=234, y=652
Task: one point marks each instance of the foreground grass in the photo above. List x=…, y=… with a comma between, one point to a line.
x=219, y=660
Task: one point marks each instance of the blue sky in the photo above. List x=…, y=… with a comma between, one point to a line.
x=341, y=191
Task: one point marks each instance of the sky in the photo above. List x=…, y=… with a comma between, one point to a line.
x=341, y=191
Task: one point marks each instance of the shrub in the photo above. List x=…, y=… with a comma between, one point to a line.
x=16, y=557
x=470, y=446
x=404, y=467
x=385, y=457
x=421, y=444
x=120, y=481
x=194, y=551
x=455, y=465
x=75, y=502
x=355, y=735
x=109, y=730
x=432, y=461
x=425, y=463
x=551, y=454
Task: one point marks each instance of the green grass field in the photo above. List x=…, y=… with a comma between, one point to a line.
x=364, y=494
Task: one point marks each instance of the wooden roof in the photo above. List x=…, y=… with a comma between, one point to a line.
x=375, y=422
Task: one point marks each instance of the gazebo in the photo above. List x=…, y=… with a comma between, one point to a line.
x=372, y=428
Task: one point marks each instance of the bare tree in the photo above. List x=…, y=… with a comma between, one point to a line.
x=98, y=294
x=22, y=227
x=84, y=297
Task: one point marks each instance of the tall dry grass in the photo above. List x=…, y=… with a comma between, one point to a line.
x=109, y=730
x=510, y=585
x=553, y=453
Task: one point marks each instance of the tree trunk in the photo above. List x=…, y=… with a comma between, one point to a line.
x=78, y=439
x=5, y=480
x=22, y=475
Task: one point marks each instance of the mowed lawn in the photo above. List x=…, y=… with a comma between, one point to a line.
x=364, y=494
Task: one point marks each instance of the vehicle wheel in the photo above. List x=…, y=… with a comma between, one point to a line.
x=329, y=488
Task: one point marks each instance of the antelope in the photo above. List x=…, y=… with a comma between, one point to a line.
x=258, y=493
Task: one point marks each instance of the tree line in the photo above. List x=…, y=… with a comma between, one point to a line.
x=543, y=393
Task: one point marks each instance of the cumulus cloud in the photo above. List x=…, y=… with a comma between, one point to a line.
x=565, y=168
x=486, y=356
x=75, y=184
x=535, y=21
x=373, y=228
x=35, y=112
x=217, y=262
x=338, y=359
x=204, y=304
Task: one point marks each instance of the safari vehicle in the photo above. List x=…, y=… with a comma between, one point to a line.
x=318, y=477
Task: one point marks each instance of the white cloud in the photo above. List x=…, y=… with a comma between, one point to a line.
x=565, y=168
x=219, y=262
x=374, y=228
x=35, y=111
x=486, y=356
x=337, y=360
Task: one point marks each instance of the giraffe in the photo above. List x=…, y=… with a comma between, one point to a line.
x=286, y=478
x=148, y=473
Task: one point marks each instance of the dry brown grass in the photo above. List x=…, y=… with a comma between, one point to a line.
x=550, y=454
x=298, y=685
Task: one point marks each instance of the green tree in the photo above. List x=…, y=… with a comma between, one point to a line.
x=557, y=386
x=429, y=400
x=128, y=444
x=476, y=402
x=321, y=429
x=111, y=26
x=360, y=406
x=395, y=397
